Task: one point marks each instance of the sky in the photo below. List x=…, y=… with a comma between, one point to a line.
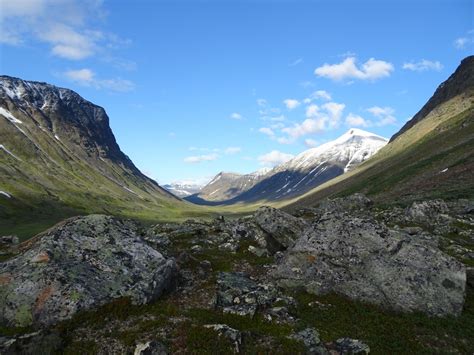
x=193, y=88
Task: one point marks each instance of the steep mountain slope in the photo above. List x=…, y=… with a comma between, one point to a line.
x=58, y=156
x=432, y=156
x=300, y=174
x=225, y=186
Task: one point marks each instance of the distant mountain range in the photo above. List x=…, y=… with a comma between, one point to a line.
x=183, y=189
x=295, y=177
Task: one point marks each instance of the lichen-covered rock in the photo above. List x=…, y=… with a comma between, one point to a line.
x=311, y=341
x=238, y=294
x=363, y=260
x=81, y=263
x=150, y=348
x=426, y=211
x=282, y=229
x=348, y=346
x=233, y=335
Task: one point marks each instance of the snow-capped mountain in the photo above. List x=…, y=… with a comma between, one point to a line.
x=183, y=188
x=304, y=172
x=225, y=186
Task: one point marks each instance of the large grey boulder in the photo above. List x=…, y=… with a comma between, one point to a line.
x=282, y=229
x=363, y=260
x=427, y=211
x=79, y=264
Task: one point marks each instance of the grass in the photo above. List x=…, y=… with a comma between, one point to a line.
x=389, y=332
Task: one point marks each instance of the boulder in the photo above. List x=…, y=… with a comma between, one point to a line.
x=350, y=346
x=81, y=263
x=361, y=259
x=233, y=335
x=310, y=338
x=282, y=229
x=150, y=348
x=427, y=211
x=238, y=294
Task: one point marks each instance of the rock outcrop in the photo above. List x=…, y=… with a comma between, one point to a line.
x=362, y=259
x=79, y=264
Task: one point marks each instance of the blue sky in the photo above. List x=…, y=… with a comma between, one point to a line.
x=196, y=87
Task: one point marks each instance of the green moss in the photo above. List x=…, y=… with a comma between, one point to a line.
x=23, y=316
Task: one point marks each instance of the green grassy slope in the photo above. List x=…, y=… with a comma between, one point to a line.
x=59, y=158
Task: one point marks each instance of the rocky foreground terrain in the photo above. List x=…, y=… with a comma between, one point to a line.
x=344, y=277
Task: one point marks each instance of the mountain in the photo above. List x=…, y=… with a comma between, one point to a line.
x=458, y=83
x=298, y=175
x=59, y=157
x=183, y=189
x=430, y=157
x=225, y=186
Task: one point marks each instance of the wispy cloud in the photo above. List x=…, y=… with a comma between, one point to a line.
x=296, y=62
x=371, y=70
x=86, y=77
x=274, y=158
x=423, y=65
x=464, y=41
x=354, y=120
x=64, y=25
x=310, y=143
x=262, y=102
x=267, y=131
x=236, y=116
x=385, y=115
x=201, y=158
x=232, y=150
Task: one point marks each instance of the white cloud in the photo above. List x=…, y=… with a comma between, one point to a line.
x=321, y=94
x=381, y=111
x=371, y=70
x=423, y=65
x=353, y=120
x=63, y=24
x=274, y=158
x=308, y=126
x=318, y=119
x=310, y=143
x=464, y=41
x=86, y=77
x=291, y=103
x=335, y=113
x=383, y=114
x=232, y=150
x=266, y=130
x=312, y=111
x=296, y=62
x=236, y=116
x=200, y=158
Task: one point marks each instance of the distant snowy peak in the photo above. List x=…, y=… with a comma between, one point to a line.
x=184, y=188
x=349, y=150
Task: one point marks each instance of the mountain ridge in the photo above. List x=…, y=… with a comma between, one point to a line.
x=296, y=176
